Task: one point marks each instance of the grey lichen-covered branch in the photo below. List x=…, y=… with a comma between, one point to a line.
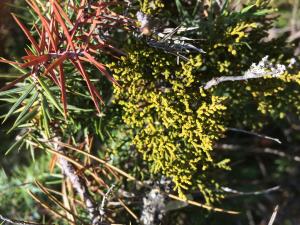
x=154, y=208
x=79, y=185
x=17, y=222
x=262, y=69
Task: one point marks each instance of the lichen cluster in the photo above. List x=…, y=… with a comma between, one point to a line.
x=150, y=6
x=176, y=121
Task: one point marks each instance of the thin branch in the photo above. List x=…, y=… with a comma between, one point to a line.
x=262, y=69
x=194, y=203
x=105, y=197
x=258, y=150
x=273, y=217
x=18, y=222
x=255, y=134
x=294, y=17
x=266, y=191
x=250, y=217
x=128, y=210
x=78, y=184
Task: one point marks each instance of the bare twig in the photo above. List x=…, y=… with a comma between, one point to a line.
x=273, y=217
x=261, y=192
x=255, y=134
x=262, y=69
x=104, y=200
x=250, y=217
x=294, y=17
x=258, y=150
x=48, y=207
x=17, y=222
x=194, y=203
x=128, y=210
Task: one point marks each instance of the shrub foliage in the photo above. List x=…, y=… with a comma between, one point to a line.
x=170, y=94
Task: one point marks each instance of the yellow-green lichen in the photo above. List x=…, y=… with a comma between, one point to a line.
x=177, y=122
x=151, y=6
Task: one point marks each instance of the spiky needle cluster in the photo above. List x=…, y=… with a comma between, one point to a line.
x=77, y=39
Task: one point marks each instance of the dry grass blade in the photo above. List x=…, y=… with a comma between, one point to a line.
x=67, y=204
x=128, y=210
x=98, y=160
x=52, y=163
x=211, y=208
x=274, y=214
x=55, y=200
x=80, y=167
x=60, y=194
x=17, y=222
x=47, y=207
x=139, y=182
x=75, y=163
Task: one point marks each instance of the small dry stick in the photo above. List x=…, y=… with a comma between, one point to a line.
x=273, y=217
x=128, y=210
x=266, y=191
x=17, y=222
x=105, y=197
x=277, y=152
x=255, y=134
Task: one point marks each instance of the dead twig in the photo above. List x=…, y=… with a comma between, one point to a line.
x=258, y=150
x=261, y=192
x=273, y=217
x=17, y=222
x=262, y=69
x=255, y=134
x=104, y=200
